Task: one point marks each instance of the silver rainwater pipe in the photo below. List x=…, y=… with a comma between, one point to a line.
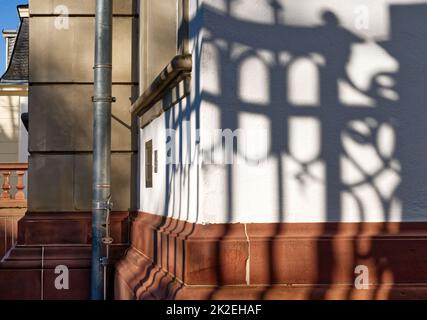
x=101, y=193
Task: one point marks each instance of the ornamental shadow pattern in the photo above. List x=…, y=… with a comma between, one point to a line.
x=366, y=158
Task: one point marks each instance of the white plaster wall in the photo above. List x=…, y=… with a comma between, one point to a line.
x=9, y=128
x=176, y=187
x=354, y=154
x=23, y=134
x=174, y=192
x=23, y=139
x=277, y=188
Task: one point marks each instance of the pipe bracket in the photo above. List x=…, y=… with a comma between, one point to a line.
x=103, y=99
x=107, y=240
x=104, y=261
x=102, y=205
x=103, y=65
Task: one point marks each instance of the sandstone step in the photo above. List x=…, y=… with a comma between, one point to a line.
x=37, y=228
x=29, y=272
x=38, y=284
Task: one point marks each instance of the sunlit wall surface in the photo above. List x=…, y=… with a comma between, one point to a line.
x=325, y=103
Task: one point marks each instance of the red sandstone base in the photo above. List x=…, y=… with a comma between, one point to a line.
x=171, y=259
x=48, y=240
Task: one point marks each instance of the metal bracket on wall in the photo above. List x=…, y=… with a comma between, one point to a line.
x=103, y=99
x=102, y=205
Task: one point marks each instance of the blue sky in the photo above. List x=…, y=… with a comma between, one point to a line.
x=8, y=20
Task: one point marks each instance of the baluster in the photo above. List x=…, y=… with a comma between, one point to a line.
x=6, y=185
x=20, y=195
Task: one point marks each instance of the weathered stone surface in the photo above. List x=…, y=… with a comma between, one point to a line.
x=159, y=35
x=61, y=118
x=79, y=6
x=64, y=182
x=67, y=55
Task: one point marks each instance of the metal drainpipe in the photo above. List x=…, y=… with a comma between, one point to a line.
x=102, y=100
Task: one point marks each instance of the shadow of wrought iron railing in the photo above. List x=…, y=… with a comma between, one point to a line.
x=13, y=203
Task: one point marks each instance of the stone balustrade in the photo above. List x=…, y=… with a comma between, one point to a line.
x=12, y=193
x=13, y=203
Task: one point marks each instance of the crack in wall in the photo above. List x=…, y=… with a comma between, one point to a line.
x=248, y=259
